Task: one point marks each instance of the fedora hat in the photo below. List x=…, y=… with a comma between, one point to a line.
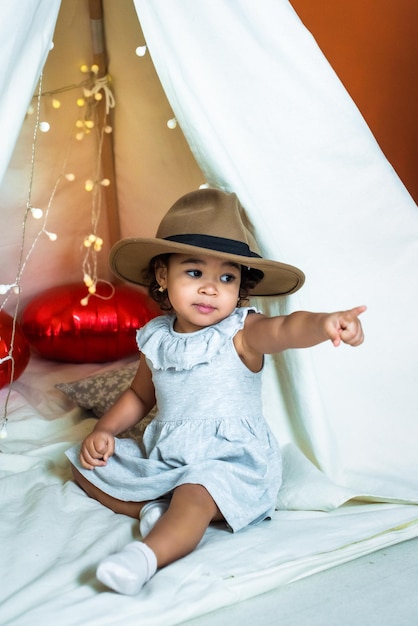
x=206, y=221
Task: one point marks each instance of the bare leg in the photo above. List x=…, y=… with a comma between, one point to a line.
x=174, y=535
x=180, y=529
x=132, y=509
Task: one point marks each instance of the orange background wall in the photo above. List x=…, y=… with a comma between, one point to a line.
x=373, y=47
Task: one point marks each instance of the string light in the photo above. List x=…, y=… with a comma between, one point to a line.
x=6, y=288
x=51, y=236
x=15, y=287
x=172, y=123
x=92, y=290
x=95, y=90
x=37, y=213
x=141, y=51
x=96, y=242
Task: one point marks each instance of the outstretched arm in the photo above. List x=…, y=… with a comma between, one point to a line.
x=302, y=329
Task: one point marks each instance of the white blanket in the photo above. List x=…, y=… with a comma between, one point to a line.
x=53, y=535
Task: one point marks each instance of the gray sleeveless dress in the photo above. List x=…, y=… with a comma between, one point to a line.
x=209, y=429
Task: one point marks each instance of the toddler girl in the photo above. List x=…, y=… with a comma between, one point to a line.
x=208, y=455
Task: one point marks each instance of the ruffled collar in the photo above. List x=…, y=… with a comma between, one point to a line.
x=168, y=349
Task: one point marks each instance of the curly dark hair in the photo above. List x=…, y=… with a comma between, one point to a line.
x=250, y=278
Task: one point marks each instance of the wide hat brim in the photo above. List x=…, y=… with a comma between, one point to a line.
x=129, y=260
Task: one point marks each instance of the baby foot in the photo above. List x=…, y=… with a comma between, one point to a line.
x=128, y=570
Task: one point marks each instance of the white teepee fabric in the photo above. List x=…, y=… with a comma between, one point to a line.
x=267, y=117
x=26, y=39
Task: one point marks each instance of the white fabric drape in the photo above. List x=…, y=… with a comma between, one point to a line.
x=267, y=117
x=27, y=31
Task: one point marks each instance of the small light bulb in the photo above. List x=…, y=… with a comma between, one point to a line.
x=92, y=289
x=51, y=45
x=94, y=68
x=36, y=213
x=88, y=280
x=141, y=51
x=84, y=302
x=172, y=123
x=99, y=241
x=87, y=243
x=44, y=127
x=108, y=129
x=30, y=110
x=81, y=102
x=89, y=185
x=51, y=236
x=92, y=238
x=56, y=103
x=84, y=68
x=79, y=136
x=98, y=97
x=70, y=177
x=105, y=182
x=89, y=124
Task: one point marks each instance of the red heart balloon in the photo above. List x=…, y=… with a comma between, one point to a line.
x=60, y=328
x=21, y=350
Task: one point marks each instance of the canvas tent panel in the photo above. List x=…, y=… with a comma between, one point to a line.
x=351, y=208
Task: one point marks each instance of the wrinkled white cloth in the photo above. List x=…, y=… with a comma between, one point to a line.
x=65, y=534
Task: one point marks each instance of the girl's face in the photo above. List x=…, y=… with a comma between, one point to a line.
x=202, y=289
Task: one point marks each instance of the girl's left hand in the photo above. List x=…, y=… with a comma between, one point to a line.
x=344, y=326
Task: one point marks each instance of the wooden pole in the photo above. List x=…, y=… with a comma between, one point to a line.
x=108, y=165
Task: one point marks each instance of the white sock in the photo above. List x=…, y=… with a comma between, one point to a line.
x=150, y=514
x=127, y=571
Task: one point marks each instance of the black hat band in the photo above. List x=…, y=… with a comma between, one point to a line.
x=220, y=244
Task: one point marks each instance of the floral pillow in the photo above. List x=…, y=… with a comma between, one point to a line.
x=99, y=392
